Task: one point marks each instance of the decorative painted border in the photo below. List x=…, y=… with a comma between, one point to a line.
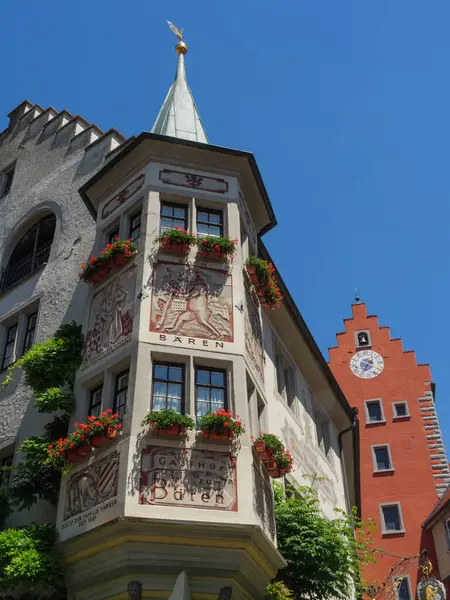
x=122, y=196
x=433, y=436
x=194, y=181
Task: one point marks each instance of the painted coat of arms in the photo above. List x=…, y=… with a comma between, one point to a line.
x=192, y=301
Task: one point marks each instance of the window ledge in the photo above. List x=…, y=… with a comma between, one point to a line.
x=401, y=418
x=396, y=532
x=375, y=423
x=382, y=471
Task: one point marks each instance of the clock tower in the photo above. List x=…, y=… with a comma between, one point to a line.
x=404, y=467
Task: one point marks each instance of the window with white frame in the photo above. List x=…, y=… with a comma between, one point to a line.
x=168, y=386
x=9, y=350
x=30, y=332
x=374, y=411
x=402, y=588
x=381, y=456
x=400, y=410
x=210, y=390
x=174, y=216
x=391, y=518
x=6, y=179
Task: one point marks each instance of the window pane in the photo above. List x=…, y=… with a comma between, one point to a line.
x=391, y=518
x=179, y=213
x=158, y=403
x=166, y=210
x=160, y=389
x=202, y=228
x=167, y=223
x=122, y=381
x=175, y=373
x=215, y=218
x=382, y=458
x=403, y=590
x=12, y=333
x=160, y=372
x=374, y=411
x=400, y=410
x=217, y=378
x=174, y=390
x=202, y=216
x=203, y=377
x=203, y=394
x=217, y=395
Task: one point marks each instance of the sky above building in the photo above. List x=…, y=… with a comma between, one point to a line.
x=346, y=106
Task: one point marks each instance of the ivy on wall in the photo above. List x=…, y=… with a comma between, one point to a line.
x=324, y=556
x=27, y=557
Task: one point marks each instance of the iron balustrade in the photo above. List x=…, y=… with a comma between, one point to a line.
x=21, y=269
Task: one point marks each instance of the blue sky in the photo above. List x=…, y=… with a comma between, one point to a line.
x=345, y=104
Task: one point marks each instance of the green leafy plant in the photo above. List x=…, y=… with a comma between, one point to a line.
x=262, y=275
x=53, y=363
x=273, y=442
x=284, y=461
x=221, y=246
x=28, y=559
x=164, y=419
x=222, y=422
x=177, y=236
x=53, y=399
x=324, y=556
x=277, y=590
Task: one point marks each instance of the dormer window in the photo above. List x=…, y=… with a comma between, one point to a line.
x=362, y=339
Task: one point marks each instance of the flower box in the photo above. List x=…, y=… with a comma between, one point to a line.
x=216, y=254
x=73, y=457
x=83, y=450
x=104, y=438
x=217, y=437
x=261, y=448
x=119, y=259
x=170, y=246
x=173, y=430
x=113, y=255
x=252, y=274
x=273, y=469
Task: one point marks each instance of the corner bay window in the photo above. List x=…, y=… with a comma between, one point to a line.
x=95, y=401
x=168, y=387
x=120, y=393
x=173, y=216
x=209, y=222
x=210, y=390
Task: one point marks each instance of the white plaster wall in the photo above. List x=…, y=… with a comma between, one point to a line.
x=441, y=545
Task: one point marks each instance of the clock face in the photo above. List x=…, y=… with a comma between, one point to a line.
x=367, y=364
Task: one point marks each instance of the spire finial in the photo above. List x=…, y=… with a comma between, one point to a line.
x=181, y=47
x=357, y=298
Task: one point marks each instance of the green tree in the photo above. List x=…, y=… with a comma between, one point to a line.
x=324, y=556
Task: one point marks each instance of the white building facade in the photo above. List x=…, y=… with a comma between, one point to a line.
x=151, y=515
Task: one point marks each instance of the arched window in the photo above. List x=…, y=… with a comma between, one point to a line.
x=31, y=252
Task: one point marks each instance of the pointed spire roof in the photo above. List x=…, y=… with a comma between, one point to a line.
x=179, y=116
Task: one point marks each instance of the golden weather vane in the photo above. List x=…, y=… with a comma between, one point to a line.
x=181, y=47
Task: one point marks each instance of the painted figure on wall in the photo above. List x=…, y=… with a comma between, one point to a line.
x=192, y=301
x=110, y=318
x=254, y=336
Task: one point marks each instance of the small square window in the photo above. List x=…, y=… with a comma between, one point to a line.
x=95, y=401
x=209, y=222
x=391, y=518
x=362, y=339
x=6, y=179
x=381, y=458
x=173, y=216
x=9, y=350
x=402, y=588
x=400, y=410
x=374, y=411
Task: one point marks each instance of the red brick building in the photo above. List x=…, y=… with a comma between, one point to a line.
x=404, y=467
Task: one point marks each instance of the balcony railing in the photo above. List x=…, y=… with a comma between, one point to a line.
x=28, y=265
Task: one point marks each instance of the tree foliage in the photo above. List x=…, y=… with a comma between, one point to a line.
x=324, y=556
